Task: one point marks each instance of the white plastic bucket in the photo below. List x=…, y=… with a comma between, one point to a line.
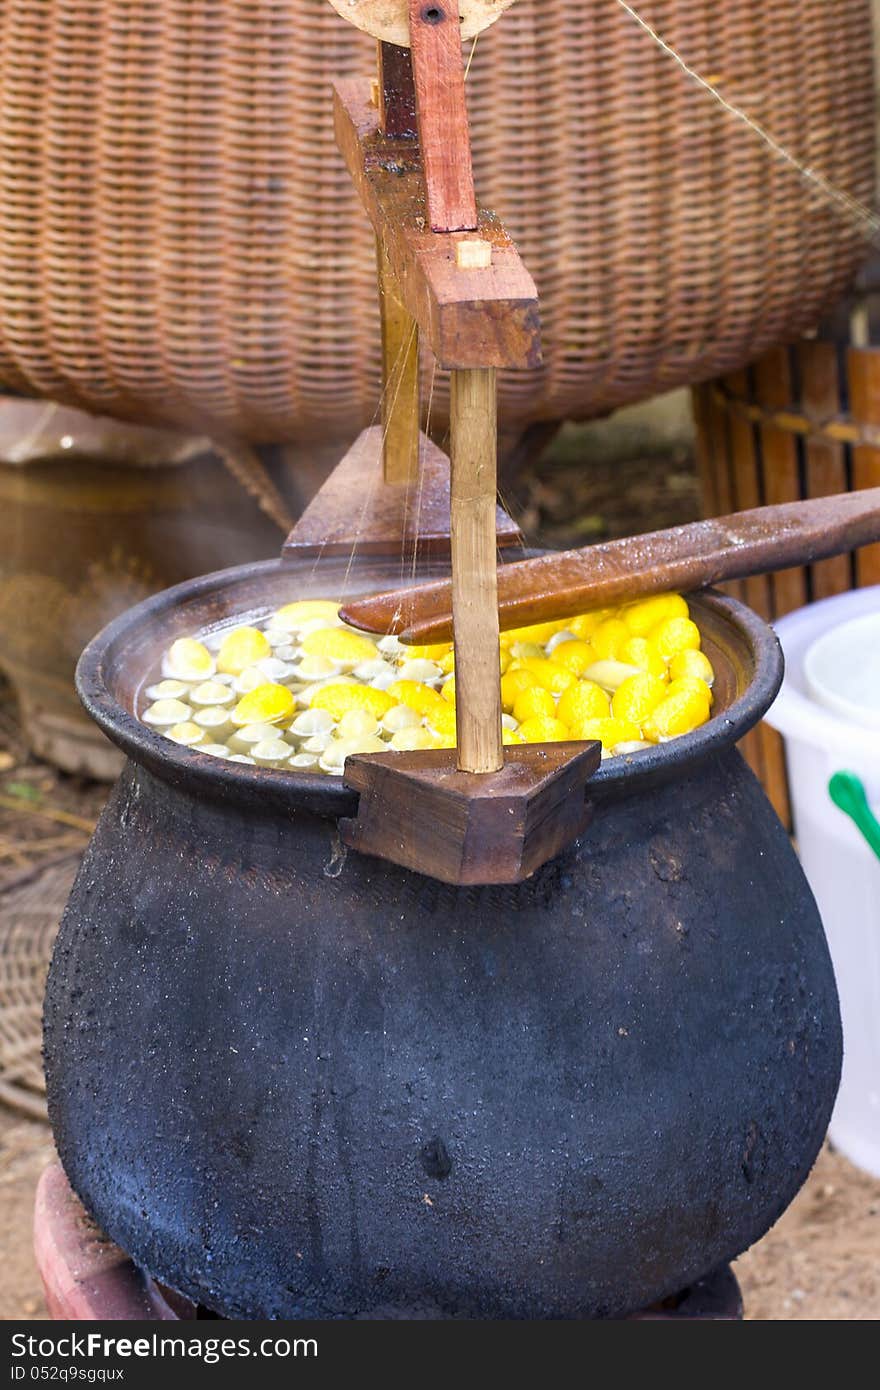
x=842, y=869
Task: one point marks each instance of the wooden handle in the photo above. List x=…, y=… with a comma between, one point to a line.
x=685, y=558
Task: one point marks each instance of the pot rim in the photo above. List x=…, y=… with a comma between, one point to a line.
x=272, y=789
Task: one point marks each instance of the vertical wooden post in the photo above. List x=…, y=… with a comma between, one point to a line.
x=400, y=380
x=741, y=491
x=400, y=334
x=780, y=468
x=739, y=488
x=474, y=430
x=444, y=135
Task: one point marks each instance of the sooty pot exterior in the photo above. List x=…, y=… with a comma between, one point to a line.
x=297, y=1082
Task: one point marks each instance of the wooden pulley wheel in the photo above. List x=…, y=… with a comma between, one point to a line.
x=389, y=20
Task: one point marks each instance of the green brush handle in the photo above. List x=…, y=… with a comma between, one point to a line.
x=848, y=793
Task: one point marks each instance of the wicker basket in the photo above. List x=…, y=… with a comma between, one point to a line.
x=804, y=421
x=179, y=242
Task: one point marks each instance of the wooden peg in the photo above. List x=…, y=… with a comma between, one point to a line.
x=474, y=436
x=400, y=380
x=396, y=92
x=444, y=134
x=473, y=254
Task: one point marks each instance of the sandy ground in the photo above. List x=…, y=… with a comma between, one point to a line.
x=820, y=1263
x=25, y=1149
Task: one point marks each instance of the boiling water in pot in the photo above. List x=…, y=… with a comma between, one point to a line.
x=300, y=691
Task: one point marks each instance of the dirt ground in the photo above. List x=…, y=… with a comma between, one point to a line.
x=822, y=1260
x=25, y=1149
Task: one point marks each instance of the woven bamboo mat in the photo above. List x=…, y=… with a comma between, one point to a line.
x=30, y=910
x=45, y=821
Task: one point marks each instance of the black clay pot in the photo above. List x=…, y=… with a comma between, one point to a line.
x=295, y=1082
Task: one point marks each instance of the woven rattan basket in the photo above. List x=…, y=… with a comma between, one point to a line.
x=179, y=242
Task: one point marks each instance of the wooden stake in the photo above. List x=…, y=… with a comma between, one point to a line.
x=400, y=380
x=474, y=430
x=473, y=254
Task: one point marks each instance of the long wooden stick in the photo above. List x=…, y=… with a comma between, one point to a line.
x=474, y=591
x=684, y=558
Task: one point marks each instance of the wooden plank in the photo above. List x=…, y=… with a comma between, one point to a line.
x=400, y=381
x=774, y=774
x=397, y=92
x=744, y=482
x=355, y=512
x=444, y=133
x=781, y=471
x=421, y=811
x=780, y=476
x=863, y=368
x=470, y=318
x=713, y=452
x=825, y=460
x=706, y=450
x=473, y=422
x=725, y=496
